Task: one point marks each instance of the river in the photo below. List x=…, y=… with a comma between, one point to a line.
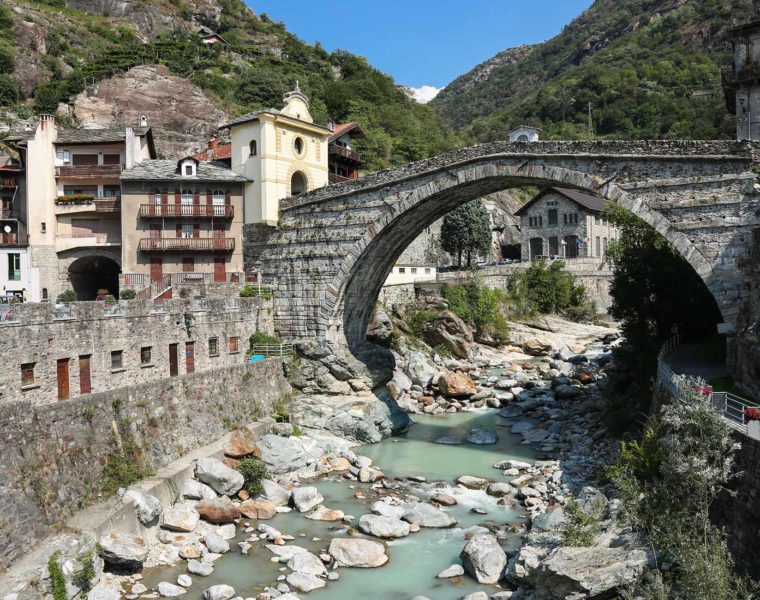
x=414, y=560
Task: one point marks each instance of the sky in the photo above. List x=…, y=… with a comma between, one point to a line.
x=423, y=44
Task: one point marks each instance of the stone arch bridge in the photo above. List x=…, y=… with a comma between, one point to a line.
x=335, y=246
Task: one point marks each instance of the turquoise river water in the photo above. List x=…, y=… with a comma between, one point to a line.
x=414, y=560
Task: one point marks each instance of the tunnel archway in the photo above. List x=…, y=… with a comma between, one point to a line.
x=298, y=184
x=91, y=273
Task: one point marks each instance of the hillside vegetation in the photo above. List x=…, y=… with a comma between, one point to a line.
x=649, y=68
x=51, y=51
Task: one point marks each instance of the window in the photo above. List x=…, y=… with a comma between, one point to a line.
x=188, y=170
x=233, y=345
x=44, y=294
x=218, y=199
x=598, y=247
x=604, y=246
x=553, y=216
x=554, y=246
x=575, y=218
x=298, y=145
x=187, y=197
x=252, y=148
x=427, y=271
x=14, y=267
x=64, y=157
x=156, y=197
x=145, y=358
x=187, y=230
x=188, y=264
x=111, y=159
x=213, y=346
x=414, y=270
x=27, y=374
x=43, y=227
x=116, y=359
x=564, y=219
x=402, y=269
x=111, y=191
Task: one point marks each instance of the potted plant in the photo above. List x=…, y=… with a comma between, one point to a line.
x=752, y=418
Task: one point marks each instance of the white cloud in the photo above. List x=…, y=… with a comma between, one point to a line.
x=425, y=93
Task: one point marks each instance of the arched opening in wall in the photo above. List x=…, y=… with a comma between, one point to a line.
x=298, y=184
x=522, y=138
x=536, y=247
x=252, y=149
x=91, y=276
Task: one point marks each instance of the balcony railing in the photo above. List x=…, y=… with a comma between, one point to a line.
x=6, y=182
x=186, y=210
x=99, y=203
x=89, y=171
x=182, y=244
x=345, y=153
x=100, y=237
x=12, y=239
x=9, y=215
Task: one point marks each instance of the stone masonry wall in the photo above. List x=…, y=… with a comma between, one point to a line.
x=52, y=456
x=56, y=339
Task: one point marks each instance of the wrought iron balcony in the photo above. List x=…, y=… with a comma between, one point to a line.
x=186, y=210
x=185, y=244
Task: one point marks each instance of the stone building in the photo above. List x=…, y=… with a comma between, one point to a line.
x=742, y=82
x=15, y=268
x=565, y=223
x=183, y=219
x=280, y=153
x=72, y=199
x=524, y=133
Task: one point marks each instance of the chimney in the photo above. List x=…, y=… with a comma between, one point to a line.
x=213, y=142
x=331, y=124
x=143, y=121
x=129, y=148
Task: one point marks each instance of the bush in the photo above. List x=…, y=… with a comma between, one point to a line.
x=67, y=296
x=123, y=468
x=259, y=338
x=127, y=295
x=57, y=580
x=580, y=528
x=552, y=289
x=481, y=307
x=84, y=576
x=253, y=291
x=253, y=471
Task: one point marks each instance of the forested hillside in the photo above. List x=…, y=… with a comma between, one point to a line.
x=649, y=68
x=52, y=51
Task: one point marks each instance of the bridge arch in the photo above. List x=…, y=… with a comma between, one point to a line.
x=337, y=244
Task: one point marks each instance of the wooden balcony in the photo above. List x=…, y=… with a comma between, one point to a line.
x=187, y=244
x=186, y=210
x=89, y=172
x=87, y=203
x=345, y=153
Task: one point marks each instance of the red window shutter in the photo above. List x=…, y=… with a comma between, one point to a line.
x=208, y=197
x=196, y=197
x=165, y=196
x=179, y=230
x=177, y=197
x=196, y=230
x=227, y=197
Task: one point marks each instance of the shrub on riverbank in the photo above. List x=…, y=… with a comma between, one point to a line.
x=253, y=471
x=668, y=482
x=552, y=289
x=481, y=307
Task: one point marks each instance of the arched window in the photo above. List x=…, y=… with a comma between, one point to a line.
x=571, y=246
x=44, y=294
x=299, y=146
x=156, y=196
x=604, y=246
x=187, y=197
x=252, y=148
x=522, y=138
x=598, y=247
x=298, y=184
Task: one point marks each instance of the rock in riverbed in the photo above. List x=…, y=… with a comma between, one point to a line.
x=357, y=553
x=483, y=558
x=383, y=527
x=219, y=476
x=124, y=550
x=306, y=498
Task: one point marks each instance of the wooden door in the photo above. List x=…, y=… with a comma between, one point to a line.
x=190, y=357
x=85, y=383
x=156, y=270
x=63, y=378
x=220, y=272
x=173, y=370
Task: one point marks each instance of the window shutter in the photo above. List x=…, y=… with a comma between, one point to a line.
x=227, y=197
x=196, y=230
x=177, y=198
x=165, y=196
x=196, y=197
x=179, y=230
x=208, y=197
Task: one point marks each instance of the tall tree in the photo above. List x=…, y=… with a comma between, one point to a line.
x=467, y=230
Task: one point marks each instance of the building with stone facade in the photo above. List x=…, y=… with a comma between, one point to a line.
x=280, y=153
x=567, y=224
x=183, y=221
x=15, y=268
x=741, y=83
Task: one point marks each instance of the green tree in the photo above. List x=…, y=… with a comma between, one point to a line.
x=668, y=483
x=467, y=230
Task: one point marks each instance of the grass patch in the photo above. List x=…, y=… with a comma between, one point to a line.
x=57, y=581
x=123, y=468
x=580, y=528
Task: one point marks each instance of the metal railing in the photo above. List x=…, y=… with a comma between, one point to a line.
x=259, y=289
x=64, y=311
x=272, y=350
x=733, y=408
x=7, y=313
x=186, y=210
x=101, y=237
x=189, y=243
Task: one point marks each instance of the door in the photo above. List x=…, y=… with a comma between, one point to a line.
x=554, y=246
x=220, y=272
x=156, y=270
x=173, y=370
x=63, y=378
x=85, y=384
x=190, y=357
x=536, y=247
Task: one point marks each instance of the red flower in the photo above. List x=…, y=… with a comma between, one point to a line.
x=752, y=414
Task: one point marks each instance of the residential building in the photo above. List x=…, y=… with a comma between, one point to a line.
x=343, y=162
x=567, y=224
x=411, y=273
x=15, y=273
x=741, y=83
x=280, y=153
x=182, y=222
x=524, y=133
x=73, y=204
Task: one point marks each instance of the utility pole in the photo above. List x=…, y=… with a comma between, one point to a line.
x=590, y=122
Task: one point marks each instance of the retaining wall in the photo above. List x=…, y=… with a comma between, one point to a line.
x=52, y=456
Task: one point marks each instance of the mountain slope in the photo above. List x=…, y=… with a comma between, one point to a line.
x=649, y=68
x=51, y=52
